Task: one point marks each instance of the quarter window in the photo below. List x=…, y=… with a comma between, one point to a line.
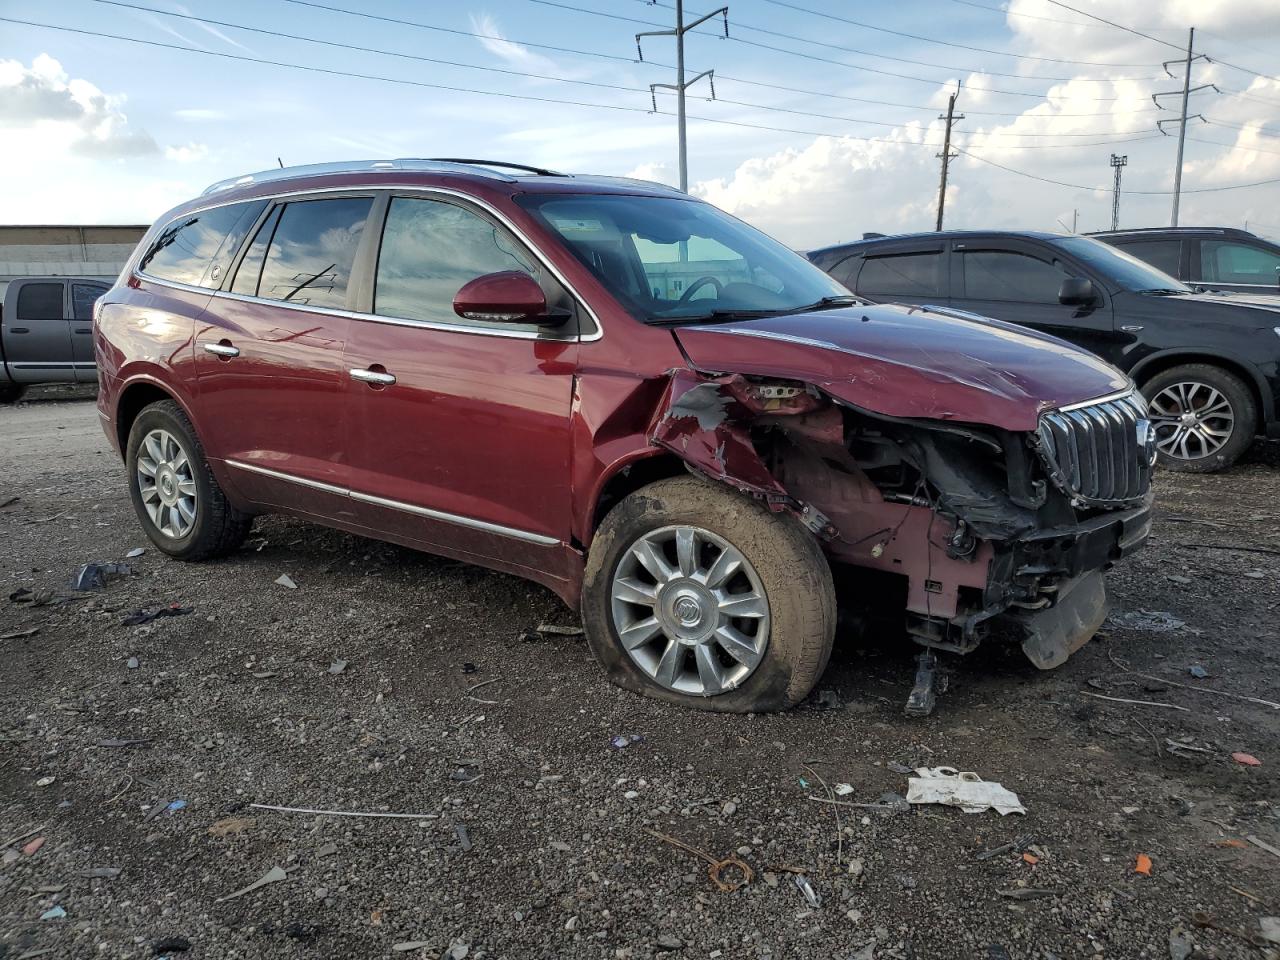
x=912, y=275
x=83, y=297
x=40, y=301
x=313, y=250
x=1005, y=275
x=430, y=250
x=1164, y=255
x=189, y=248
x=1225, y=262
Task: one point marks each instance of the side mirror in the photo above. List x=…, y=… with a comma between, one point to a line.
x=506, y=297
x=1076, y=291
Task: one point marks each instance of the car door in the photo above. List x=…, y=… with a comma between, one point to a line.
x=1019, y=282
x=915, y=274
x=84, y=295
x=269, y=355
x=464, y=445
x=1236, y=265
x=37, y=337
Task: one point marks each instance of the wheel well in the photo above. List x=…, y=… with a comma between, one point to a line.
x=132, y=402
x=1161, y=364
x=631, y=478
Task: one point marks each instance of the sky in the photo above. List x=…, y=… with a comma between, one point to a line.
x=825, y=123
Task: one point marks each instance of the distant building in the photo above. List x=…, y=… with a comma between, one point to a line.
x=65, y=251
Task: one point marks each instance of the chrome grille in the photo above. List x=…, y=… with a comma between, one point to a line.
x=1100, y=453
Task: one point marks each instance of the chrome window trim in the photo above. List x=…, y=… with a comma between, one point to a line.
x=1118, y=395
x=377, y=318
x=470, y=522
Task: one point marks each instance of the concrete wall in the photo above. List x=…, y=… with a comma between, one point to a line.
x=65, y=250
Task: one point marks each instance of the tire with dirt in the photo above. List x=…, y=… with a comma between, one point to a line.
x=1205, y=417
x=697, y=595
x=10, y=392
x=178, y=502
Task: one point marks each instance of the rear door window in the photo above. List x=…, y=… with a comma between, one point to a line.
x=312, y=252
x=1006, y=275
x=40, y=301
x=83, y=297
x=1164, y=255
x=913, y=275
x=196, y=248
x=1224, y=261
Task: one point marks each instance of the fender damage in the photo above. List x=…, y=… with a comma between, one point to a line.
x=964, y=526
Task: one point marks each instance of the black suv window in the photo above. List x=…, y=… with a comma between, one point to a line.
x=312, y=252
x=83, y=297
x=902, y=275
x=1225, y=261
x=1164, y=255
x=40, y=301
x=1005, y=275
x=187, y=246
x=430, y=250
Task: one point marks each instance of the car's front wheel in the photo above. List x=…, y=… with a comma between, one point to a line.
x=1204, y=417
x=179, y=503
x=696, y=595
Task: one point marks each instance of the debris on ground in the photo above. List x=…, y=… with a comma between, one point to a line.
x=286, y=581
x=96, y=576
x=45, y=781
x=19, y=634
x=806, y=889
x=274, y=875
x=1027, y=893
x=337, y=667
x=231, y=826
x=135, y=553
x=118, y=742
x=623, y=740
x=555, y=630
x=1197, y=671
x=345, y=813
x=842, y=789
x=168, y=945
x=469, y=668
x=100, y=873
x=1017, y=845
x=1246, y=759
x=1142, y=865
x=31, y=847
x=1269, y=929
x=716, y=868
x=139, y=617
x=405, y=946
x=1149, y=621
x=54, y=913
x=464, y=839
x=968, y=791
x=132, y=663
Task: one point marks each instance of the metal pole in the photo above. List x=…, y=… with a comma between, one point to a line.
x=946, y=155
x=684, y=155
x=1182, y=128
x=1117, y=164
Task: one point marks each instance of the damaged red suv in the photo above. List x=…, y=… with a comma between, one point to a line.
x=624, y=394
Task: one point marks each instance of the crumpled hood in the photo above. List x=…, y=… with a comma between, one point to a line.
x=928, y=363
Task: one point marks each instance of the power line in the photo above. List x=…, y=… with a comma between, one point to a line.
x=739, y=25
x=1235, y=146
x=948, y=43
x=1118, y=26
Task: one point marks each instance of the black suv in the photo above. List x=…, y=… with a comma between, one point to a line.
x=1216, y=258
x=1208, y=363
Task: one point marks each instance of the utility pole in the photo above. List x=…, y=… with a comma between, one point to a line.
x=1118, y=164
x=946, y=153
x=1186, y=92
x=681, y=84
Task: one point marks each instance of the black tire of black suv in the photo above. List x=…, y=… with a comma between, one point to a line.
x=1243, y=409
x=789, y=565
x=218, y=527
x=10, y=392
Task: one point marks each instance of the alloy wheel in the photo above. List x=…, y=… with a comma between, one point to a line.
x=690, y=610
x=1192, y=420
x=166, y=483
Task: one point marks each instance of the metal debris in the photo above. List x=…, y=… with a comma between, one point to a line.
x=274, y=875
x=806, y=888
x=968, y=791
x=286, y=581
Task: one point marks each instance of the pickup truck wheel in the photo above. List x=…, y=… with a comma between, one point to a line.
x=178, y=501
x=1204, y=417
x=10, y=392
x=695, y=595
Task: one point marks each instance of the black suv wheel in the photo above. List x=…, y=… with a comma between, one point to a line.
x=1204, y=417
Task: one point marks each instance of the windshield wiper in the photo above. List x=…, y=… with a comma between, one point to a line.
x=716, y=316
x=827, y=303
x=1164, y=292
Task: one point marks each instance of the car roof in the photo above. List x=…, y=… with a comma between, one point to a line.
x=514, y=177
x=937, y=235
x=1172, y=231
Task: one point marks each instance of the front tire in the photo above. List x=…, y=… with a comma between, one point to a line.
x=696, y=595
x=178, y=502
x=1205, y=418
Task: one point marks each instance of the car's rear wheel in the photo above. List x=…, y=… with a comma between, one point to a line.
x=179, y=503
x=10, y=392
x=1204, y=417
x=696, y=595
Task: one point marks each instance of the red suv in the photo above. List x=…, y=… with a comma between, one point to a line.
x=620, y=392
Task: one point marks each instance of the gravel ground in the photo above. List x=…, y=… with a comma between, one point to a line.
x=136, y=752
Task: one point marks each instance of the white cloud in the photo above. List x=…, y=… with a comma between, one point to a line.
x=199, y=114
x=187, y=152
x=494, y=40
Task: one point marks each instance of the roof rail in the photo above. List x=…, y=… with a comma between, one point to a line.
x=501, y=164
x=474, y=167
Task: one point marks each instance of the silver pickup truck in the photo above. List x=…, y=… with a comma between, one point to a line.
x=46, y=332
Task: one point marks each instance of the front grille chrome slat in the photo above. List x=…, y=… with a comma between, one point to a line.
x=1096, y=452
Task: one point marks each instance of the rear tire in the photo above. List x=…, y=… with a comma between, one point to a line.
x=1205, y=417
x=767, y=659
x=10, y=392
x=179, y=503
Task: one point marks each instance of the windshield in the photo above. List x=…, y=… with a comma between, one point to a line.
x=672, y=260
x=1119, y=267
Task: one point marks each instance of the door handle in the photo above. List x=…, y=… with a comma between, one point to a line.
x=1132, y=328
x=84, y=330
x=19, y=330
x=225, y=350
x=375, y=377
